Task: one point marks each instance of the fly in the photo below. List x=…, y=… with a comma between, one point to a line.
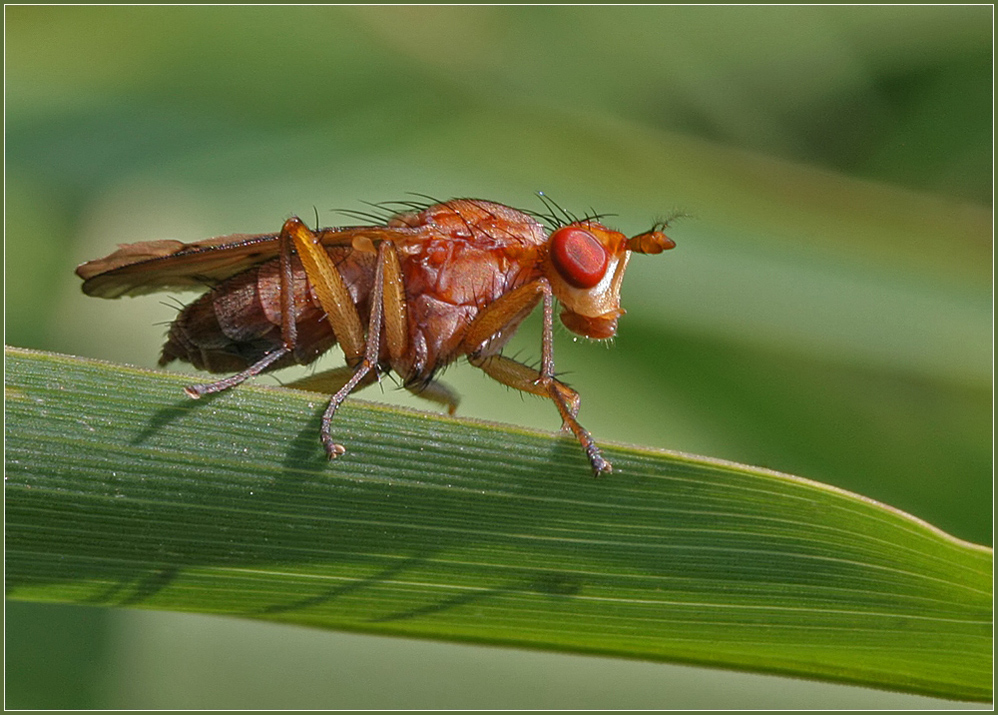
x=411, y=294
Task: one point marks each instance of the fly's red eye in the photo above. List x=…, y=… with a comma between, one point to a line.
x=580, y=259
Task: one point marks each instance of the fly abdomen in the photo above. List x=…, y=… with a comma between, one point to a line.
x=235, y=325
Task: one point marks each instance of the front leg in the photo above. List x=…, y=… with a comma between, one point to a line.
x=543, y=382
x=567, y=411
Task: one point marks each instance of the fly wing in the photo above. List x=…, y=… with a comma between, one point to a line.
x=140, y=268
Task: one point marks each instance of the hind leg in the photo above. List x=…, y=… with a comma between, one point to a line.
x=289, y=329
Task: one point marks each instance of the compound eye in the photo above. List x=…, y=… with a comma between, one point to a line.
x=579, y=258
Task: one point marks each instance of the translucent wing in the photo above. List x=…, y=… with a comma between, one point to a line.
x=140, y=268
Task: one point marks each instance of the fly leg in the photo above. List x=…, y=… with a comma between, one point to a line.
x=289, y=328
x=519, y=376
x=330, y=381
x=388, y=307
x=438, y=392
x=334, y=296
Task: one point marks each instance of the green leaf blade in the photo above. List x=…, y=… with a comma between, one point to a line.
x=122, y=491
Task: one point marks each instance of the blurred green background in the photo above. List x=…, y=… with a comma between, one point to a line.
x=827, y=312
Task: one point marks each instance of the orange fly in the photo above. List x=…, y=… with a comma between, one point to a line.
x=424, y=287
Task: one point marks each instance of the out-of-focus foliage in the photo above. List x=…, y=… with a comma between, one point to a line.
x=827, y=311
